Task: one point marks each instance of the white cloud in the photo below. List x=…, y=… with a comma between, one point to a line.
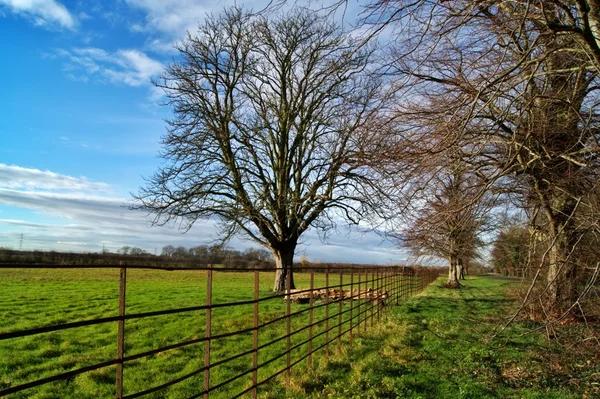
x=42, y=12
x=171, y=17
x=167, y=21
x=129, y=67
x=16, y=177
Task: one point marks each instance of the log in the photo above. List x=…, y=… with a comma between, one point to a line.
x=335, y=294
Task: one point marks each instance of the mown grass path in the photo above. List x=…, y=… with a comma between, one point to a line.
x=437, y=345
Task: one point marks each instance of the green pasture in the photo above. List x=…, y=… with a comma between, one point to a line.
x=449, y=344
x=40, y=297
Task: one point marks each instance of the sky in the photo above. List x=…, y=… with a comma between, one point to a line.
x=80, y=124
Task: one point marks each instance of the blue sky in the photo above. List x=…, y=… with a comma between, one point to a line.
x=80, y=125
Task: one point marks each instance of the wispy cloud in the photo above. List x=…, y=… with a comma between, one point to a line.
x=88, y=219
x=130, y=67
x=166, y=22
x=42, y=12
x=16, y=177
x=171, y=17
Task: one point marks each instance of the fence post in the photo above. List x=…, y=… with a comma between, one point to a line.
x=398, y=284
x=207, y=332
x=327, y=314
x=351, y=301
x=358, y=303
x=373, y=295
x=255, y=336
x=380, y=285
x=383, y=287
x=288, y=328
x=310, y=318
x=341, y=299
x=366, y=302
x=400, y=277
x=121, y=330
x=394, y=282
x=404, y=284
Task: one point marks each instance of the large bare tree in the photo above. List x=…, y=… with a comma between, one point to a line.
x=271, y=115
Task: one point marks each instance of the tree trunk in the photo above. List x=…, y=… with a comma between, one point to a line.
x=561, y=273
x=461, y=269
x=561, y=278
x=284, y=261
x=453, y=273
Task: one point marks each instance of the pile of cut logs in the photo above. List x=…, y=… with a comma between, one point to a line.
x=336, y=294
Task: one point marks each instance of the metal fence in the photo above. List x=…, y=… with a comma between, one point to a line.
x=336, y=306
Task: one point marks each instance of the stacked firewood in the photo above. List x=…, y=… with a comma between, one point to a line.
x=336, y=294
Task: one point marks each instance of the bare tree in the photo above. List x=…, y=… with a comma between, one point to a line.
x=270, y=119
x=447, y=213
x=168, y=250
x=514, y=74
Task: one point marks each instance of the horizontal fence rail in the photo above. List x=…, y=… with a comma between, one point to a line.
x=234, y=347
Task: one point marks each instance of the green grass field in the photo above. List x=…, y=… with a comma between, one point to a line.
x=437, y=345
x=40, y=297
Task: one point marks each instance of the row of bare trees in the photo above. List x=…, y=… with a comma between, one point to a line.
x=469, y=112
x=510, y=89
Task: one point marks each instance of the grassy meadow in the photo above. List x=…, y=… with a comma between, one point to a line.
x=41, y=297
x=438, y=345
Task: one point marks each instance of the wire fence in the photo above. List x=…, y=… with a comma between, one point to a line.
x=256, y=339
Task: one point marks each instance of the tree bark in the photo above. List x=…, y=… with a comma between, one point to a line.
x=461, y=269
x=453, y=273
x=561, y=277
x=284, y=261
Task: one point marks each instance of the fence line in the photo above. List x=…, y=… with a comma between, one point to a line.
x=361, y=295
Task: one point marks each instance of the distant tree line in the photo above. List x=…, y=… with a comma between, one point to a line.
x=171, y=256
x=221, y=255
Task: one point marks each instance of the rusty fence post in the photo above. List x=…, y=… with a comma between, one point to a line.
x=380, y=285
x=401, y=284
x=255, y=335
x=404, y=284
x=288, y=329
x=373, y=294
x=366, y=302
x=400, y=277
x=207, y=331
x=340, y=308
x=394, y=284
x=327, y=314
x=121, y=330
x=351, y=301
x=311, y=318
x=358, y=303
